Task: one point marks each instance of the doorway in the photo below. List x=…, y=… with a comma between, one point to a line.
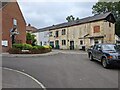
x=71, y=45
x=57, y=44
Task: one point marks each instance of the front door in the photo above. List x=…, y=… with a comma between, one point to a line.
x=71, y=45
x=57, y=44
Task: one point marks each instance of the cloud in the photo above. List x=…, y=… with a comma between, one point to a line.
x=42, y=14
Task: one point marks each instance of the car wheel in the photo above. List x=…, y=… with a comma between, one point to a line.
x=91, y=57
x=104, y=63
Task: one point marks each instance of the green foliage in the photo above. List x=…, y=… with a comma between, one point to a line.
x=17, y=49
x=114, y=7
x=31, y=37
x=18, y=46
x=22, y=46
x=71, y=18
x=27, y=47
x=35, y=47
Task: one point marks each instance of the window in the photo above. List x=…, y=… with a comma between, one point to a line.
x=50, y=34
x=63, y=32
x=81, y=42
x=96, y=29
x=63, y=42
x=109, y=24
x=15, y=22
x=57, y=34
x=41, y=43
x=4, y=43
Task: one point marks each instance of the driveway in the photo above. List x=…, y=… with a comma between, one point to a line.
x=65, y=70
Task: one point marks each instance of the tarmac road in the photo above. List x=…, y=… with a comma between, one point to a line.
x=65, y=71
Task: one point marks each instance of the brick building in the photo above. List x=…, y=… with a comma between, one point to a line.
x=11, y=17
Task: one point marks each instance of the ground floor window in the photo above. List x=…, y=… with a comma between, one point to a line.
x=63, y=42
x=4, y=43
x=81, y=42
x=52, y=44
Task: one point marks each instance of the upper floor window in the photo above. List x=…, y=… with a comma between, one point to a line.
x=96, y=29
x=56, y=34
x=63, y=31
x=81, y=42
x=14, y=22
x=109, y=24
x=50, y=34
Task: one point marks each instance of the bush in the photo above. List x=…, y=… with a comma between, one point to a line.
x=35, y=47
x=40, y=47
x=27, y=47
x=18, y=46
x=17, y=49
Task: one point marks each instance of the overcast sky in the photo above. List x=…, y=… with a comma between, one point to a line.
x=43, y=14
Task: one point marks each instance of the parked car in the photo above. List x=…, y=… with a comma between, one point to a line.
x=107, y=54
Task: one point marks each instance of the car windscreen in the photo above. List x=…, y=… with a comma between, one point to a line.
x=111, y=47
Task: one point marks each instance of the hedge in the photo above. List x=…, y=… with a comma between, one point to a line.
x=18, y=49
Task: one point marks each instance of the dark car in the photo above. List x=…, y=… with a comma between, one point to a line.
x=107, y=54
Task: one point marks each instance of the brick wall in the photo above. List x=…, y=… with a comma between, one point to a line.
x=10, y=12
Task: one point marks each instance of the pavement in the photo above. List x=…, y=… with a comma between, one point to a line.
x=17, y=79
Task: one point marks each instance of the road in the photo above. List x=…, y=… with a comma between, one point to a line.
x=65, y=71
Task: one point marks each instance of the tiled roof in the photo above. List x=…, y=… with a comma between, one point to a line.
x=31, y=29
x=77, y=22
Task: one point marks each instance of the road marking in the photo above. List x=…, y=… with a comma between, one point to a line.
x=42, y=86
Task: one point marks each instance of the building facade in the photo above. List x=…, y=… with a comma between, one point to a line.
x=42, y=37
x=83, y=33
x=12, y=17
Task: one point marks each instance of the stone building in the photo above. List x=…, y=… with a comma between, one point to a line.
x=12, y=17
x=83, y=33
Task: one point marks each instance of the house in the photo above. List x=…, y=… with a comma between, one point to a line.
x=30, y=29
x=82, y=33
x=42, y=36
x=13, y=25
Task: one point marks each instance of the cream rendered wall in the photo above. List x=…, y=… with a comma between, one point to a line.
x=109, y=32
x=60, y=37
x=77, y=33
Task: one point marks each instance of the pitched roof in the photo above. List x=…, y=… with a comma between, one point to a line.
x=77, y=22
x=31, y=29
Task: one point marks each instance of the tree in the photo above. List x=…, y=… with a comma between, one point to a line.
x=31, y=39
x=71, y=18
x=114, y=7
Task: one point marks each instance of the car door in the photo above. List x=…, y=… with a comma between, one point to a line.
x=98, y=52
x=94, y=51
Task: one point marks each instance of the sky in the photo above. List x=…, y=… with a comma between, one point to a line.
x=43, y=14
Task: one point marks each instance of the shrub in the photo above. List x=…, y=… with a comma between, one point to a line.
x=27, y=47
x=17, y=49
x=18, y=46
x=35, y=47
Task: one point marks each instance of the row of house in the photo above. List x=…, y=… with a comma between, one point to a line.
x=80, y=33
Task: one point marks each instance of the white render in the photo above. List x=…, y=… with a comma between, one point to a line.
x=42, y=38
